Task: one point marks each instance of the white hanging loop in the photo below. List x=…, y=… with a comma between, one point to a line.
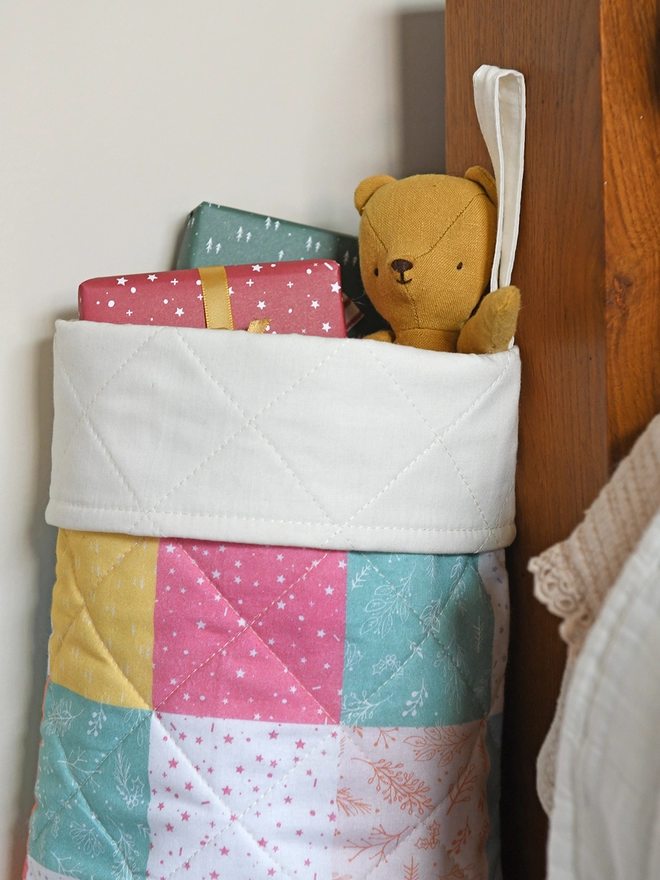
x=499, y=98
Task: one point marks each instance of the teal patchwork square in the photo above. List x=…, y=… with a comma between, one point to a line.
x=93, y=762
x=419, y=641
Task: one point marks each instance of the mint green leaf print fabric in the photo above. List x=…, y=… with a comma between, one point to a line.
x=418, y=640
x=93, y=763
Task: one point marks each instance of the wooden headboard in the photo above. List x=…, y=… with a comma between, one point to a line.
x=588, y=266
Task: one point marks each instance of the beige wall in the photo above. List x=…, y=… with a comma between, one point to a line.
x=116, y=119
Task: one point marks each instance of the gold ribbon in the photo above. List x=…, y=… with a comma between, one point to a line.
x=217, y=304
x=258, y=326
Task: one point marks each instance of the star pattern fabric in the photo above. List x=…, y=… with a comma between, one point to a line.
x=309, y=715
x=235, y=619
x=249, y=797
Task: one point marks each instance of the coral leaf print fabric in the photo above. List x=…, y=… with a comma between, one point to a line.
x=246, y=711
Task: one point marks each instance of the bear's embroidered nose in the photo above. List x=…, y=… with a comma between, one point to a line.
x=401, y=266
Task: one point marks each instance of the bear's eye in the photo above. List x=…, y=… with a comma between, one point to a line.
x=376, y=271
x=460, y=266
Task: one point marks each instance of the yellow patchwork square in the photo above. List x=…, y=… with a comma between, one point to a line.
x=102, y=617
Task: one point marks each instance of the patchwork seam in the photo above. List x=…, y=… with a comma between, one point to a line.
x=155, y=708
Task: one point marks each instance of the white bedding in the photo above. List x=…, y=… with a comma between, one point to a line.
x=605, y=822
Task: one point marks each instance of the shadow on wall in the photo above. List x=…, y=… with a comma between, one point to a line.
x=422, y=92
x=43, y=538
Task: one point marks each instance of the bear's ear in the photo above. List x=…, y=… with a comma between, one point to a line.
x=368, y=187
x=485, y=180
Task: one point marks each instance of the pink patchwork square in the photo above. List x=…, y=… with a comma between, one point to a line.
x=246, y=631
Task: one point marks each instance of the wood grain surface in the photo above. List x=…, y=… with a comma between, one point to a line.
x=588, y=266
x=631, y=183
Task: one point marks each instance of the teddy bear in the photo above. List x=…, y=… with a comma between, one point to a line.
x=426, y=251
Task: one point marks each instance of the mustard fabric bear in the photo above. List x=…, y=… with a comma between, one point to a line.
x=426, y=251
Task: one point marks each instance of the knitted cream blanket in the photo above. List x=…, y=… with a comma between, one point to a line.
x=572, y=578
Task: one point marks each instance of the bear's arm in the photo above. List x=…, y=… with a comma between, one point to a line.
x=494, y=324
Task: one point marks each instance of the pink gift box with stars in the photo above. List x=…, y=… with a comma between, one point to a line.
x=304, y=297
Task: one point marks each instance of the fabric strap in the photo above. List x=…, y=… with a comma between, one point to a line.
x=499, y=98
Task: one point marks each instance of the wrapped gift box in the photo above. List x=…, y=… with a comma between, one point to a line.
x=215, y=233
x=304, y=296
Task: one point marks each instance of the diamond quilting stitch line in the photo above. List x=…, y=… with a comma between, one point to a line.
x=248, y=419
x=223, y=602
x=419, y=641
x=242, y=796
x=261, y=800
x=413, y=796
x=92, y=789
x=149, y=506
x=249, y=631
x=440, y=434
x=103, y=604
